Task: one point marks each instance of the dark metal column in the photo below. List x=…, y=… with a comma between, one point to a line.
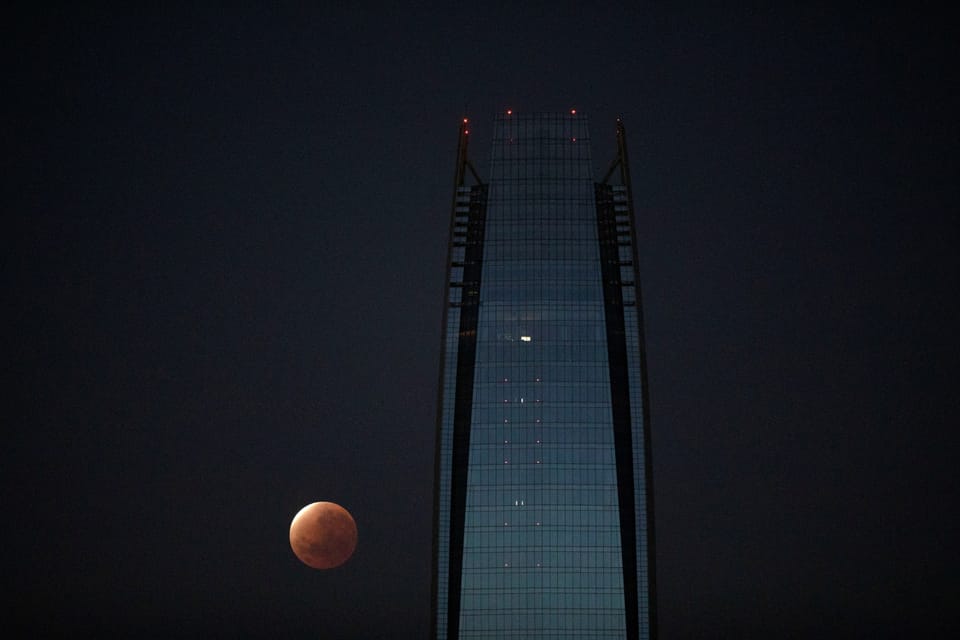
x=465, y=231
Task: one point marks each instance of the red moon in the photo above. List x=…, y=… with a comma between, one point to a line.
x=323, y=535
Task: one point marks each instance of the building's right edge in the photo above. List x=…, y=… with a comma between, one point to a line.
x=629, y=386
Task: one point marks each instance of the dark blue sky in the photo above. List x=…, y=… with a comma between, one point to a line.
x=226, y=266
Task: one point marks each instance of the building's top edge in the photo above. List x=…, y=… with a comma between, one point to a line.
x=529, y=115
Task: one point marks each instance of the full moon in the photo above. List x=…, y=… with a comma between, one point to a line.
x=323, y=535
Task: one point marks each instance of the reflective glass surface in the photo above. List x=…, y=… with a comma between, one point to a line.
x=541, y=529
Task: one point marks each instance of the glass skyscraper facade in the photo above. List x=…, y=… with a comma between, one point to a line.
x=543, y=507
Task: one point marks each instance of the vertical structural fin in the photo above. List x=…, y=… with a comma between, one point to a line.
x=467, y=221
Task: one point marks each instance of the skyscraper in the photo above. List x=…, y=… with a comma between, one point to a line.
x=543, y=502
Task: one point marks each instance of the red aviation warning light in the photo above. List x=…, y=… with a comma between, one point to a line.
x=573, y=112
x=509, y=112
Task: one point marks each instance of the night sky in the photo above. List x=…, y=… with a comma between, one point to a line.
x=224, y=266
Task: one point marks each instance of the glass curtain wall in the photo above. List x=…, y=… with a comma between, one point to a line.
x=533, y=524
